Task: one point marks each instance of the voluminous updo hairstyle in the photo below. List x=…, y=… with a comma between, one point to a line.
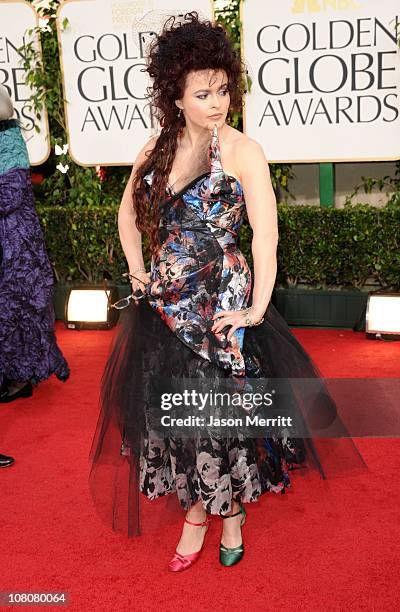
x=181, y=47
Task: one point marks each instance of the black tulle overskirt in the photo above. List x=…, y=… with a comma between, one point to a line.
x=139, y=482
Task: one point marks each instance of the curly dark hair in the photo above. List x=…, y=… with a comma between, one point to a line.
x=182, y=47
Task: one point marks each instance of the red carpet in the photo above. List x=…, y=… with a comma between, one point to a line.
x=322, y=546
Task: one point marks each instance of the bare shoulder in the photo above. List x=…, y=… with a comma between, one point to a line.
x=245, y=148
x=143, y=155
x=242, y=149
x=146, y=150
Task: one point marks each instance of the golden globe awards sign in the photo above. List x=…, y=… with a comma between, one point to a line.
x=325, y=79
x=103, y=47
x=16, y=18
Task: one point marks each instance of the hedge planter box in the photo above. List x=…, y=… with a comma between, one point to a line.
x=320, y=307
x=308, y=307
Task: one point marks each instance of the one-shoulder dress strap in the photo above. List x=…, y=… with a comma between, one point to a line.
x=216, y=170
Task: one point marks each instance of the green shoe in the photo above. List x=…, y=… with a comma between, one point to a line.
x=231, y=556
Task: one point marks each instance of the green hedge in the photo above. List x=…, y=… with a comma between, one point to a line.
x=320, y=247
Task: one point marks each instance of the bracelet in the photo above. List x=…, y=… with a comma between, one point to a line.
x=131, y=276
x=137, y=270
x=248, y=321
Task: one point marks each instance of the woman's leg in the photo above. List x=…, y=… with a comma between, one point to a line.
x=192, y=536
x=231, y=531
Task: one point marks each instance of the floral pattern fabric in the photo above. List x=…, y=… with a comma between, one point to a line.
x=198, y=271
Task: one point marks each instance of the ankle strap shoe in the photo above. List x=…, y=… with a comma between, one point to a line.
x=181, y=562
x=231, y=556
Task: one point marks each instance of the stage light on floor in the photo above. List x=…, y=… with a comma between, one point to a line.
x=383, y=316
x=90, y=308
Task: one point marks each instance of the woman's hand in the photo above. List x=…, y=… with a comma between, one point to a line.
x=139, y=279
x=235, y=318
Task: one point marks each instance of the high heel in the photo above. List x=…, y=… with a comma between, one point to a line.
x=180, y=562
x=231, y=556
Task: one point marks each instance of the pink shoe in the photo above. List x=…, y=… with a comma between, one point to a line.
x=180, y=562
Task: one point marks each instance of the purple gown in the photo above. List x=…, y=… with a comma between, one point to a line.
x=28, y=347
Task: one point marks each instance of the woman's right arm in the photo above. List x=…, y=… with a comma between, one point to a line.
x=129, y=235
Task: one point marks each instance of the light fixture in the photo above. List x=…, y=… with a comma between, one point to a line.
x=90, y=308
x=383, y=315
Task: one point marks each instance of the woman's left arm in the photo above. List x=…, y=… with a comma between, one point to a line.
x=263, y=218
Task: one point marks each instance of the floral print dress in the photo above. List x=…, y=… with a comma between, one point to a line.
x=198, y=271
